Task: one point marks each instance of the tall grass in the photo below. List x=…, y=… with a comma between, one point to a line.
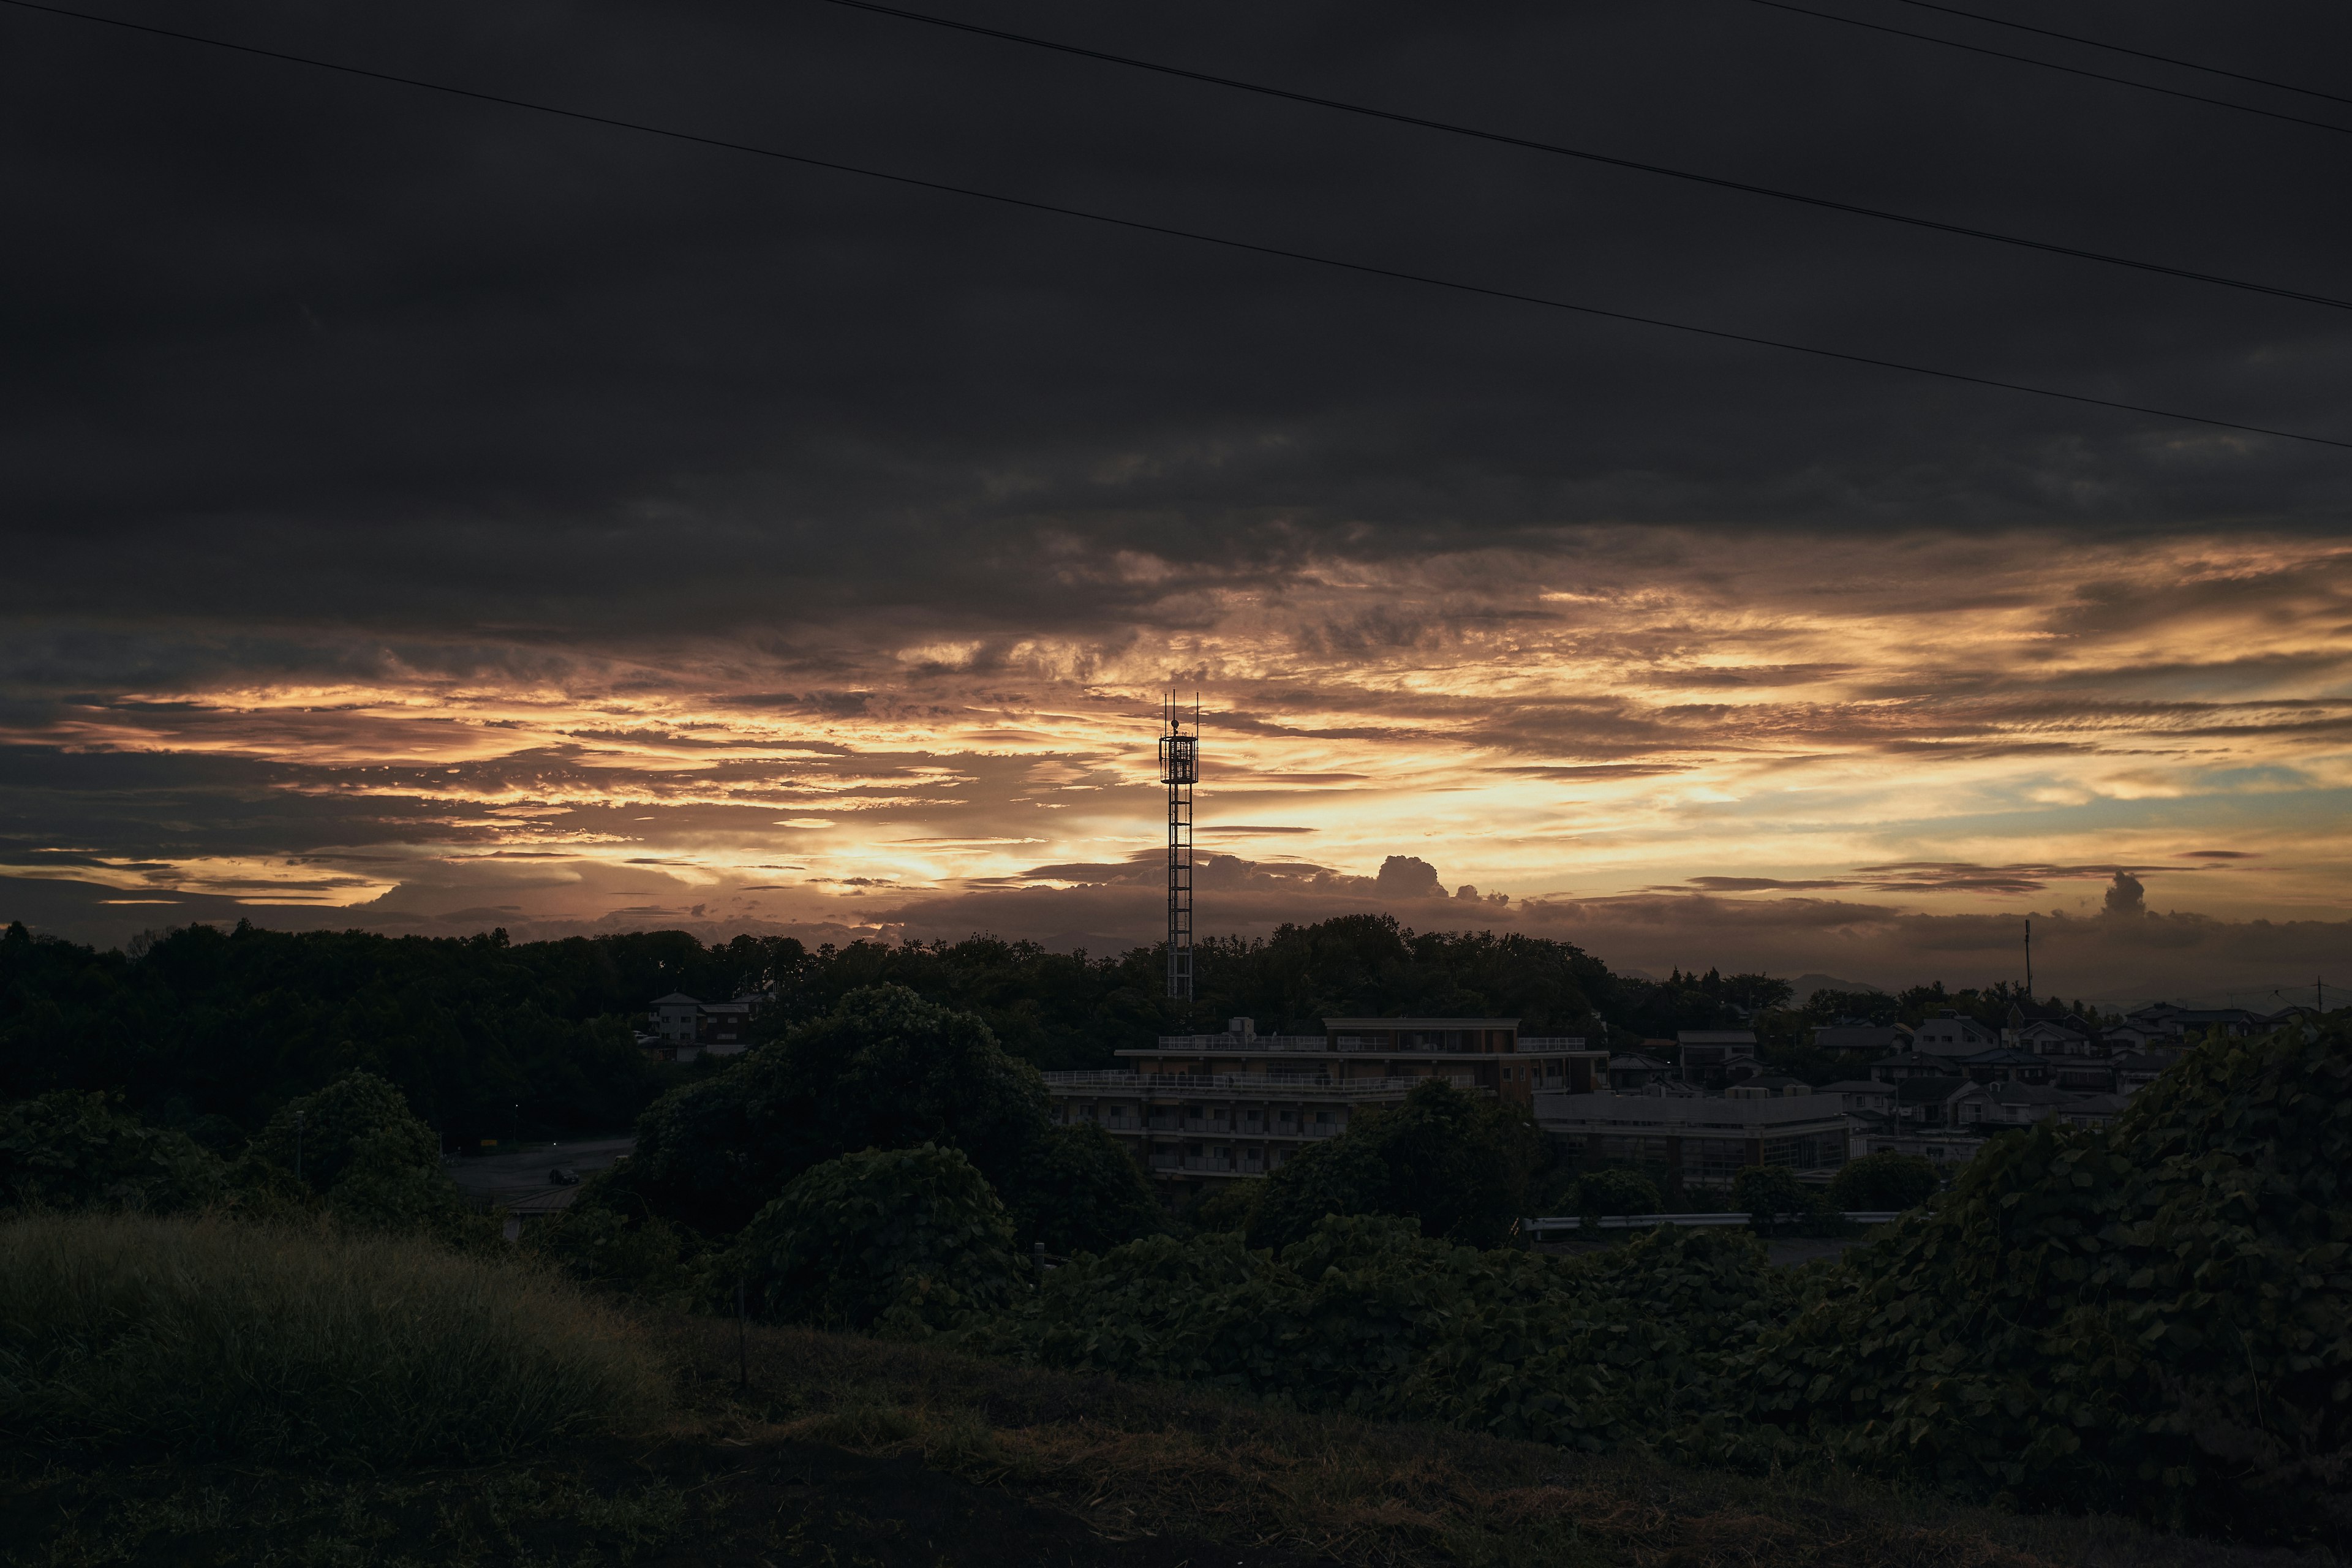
x=214, y=1338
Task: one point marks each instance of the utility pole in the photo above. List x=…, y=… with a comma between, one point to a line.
x=298, y=1148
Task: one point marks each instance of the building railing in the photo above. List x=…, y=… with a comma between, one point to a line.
x=1537, y=1228
x=1256, y=1084
x=1232, y=1042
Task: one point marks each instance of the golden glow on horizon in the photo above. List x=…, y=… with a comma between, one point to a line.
x=1621, y=712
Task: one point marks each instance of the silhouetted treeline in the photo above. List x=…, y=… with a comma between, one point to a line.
x=212, y=1031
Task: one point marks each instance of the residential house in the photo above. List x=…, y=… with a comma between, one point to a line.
x=1196, y=1108
x=1633, y=1071
x=1862, y=1042
x=1950, y=1034
x=686, y=1028
x=1926, y=1101
x=2137, y=1069
x=1862, y=1096
x=2004, y=1065
x=1712, y=1057
x=1909, y=1064
x=2091, y=1110
x=2003, y=1104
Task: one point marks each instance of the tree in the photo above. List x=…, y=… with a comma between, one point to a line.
x=1769, y=1192
x=1458, y=1164
x=1886, y=1181
x=360, y=1146
x=903, y=1238
x=885, y=1069
x=73, y=1150
x=1616, y=1192
x=1080, y=1191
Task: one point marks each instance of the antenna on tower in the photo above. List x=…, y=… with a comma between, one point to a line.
x=1180, y=770
x=2028, y=958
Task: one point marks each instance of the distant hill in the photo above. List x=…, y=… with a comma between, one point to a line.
x=1802, y=987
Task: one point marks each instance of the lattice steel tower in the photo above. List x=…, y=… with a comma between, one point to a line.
x=1180, y=770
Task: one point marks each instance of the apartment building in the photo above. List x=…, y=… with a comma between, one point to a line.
x=1706, y=1138
x=1198, y=1108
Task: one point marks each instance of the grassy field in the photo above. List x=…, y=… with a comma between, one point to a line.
x=847, y=1451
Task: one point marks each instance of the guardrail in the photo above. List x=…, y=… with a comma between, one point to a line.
x=1536, y=1228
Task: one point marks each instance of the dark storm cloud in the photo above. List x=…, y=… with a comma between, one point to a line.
x=297, y=349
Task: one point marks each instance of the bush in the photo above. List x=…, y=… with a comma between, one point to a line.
x=1079, y=1192
x=904, y=1239
x=1882, y=1182
x=886, y=1069
x=68, y=1151
x=1225, y=1207
x=366, y=1153
x=2156, y=1318
x=1616, y=1193
x=1458, y=1164
x=204, y=1337
x=1767, y=1193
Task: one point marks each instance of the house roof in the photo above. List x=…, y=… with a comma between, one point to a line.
x=1714, y=1036
x=677, y=997
x=1912, y=1059
x=1858, y=1037
x=2028, y=1094
x=1853, y=1086
x=1634, y=1061
x=1928, y=1090
x=2005, y=1056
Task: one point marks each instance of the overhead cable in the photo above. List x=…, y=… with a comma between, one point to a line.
x=1166, y=231
x=1507, y=140
x=2121, y=49
x=2054, y=65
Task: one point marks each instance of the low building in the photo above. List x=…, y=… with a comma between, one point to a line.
x=2091, y=1110
x=1862, y=1096
x=2002, y=1104
x=1946, y=1147
x=1908, y=1065
x=1704, y=1138
x=1926, y=1101
x=1712, y=1057
x=1862, y=1042
x=1196, y=1108
x=2136, y=1070
x=1634, y=1071
x=686, y=1028
x=2006, y=1065
x=1950, y=1034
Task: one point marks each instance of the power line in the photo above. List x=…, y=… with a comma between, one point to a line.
x=2054, y=65
x=2119, y=49
x=1139, y=225
x=1586, y=155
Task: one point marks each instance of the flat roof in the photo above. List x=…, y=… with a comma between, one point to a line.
x=1675, y=1113
x=1335, y=1023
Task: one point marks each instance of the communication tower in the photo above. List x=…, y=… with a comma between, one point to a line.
x=1180, y=770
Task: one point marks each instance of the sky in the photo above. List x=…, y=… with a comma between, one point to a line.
x=423, y=513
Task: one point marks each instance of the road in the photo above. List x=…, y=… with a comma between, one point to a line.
x=518, y=1182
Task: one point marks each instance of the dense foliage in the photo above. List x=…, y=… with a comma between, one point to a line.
x=68, y=1151
x=2156, y=1317
x=907, y=1238
x=1456, y=1164
x=1883, y=1182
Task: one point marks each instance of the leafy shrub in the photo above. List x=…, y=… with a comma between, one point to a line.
x=1079, y=1192
x=1885, y=1181
x=1226, y=1206
x=885, y=1069
x=1765, y=1193
x=366, y=1153
x=1616, y=1192
x=1365, y=1314
x=211, y=1338
x=905, y=1238
x=2156, y=1318
x=1458, y=1164
x=68, y=1151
